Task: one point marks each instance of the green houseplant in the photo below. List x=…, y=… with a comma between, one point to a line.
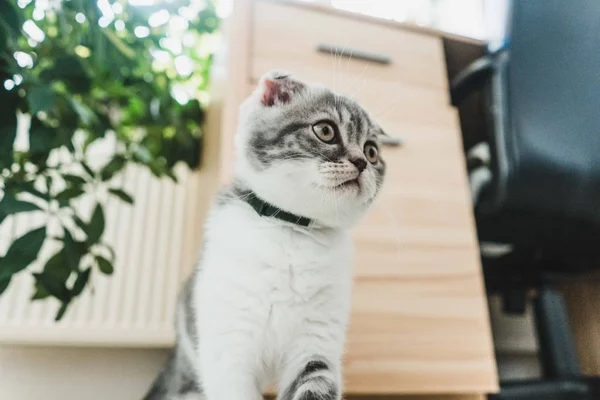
x=77, y=72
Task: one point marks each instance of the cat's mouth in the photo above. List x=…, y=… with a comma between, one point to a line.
x=351, y=183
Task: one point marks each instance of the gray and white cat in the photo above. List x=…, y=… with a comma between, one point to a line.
x=269, y=301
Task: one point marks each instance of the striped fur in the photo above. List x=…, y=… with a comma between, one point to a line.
x=315, y=381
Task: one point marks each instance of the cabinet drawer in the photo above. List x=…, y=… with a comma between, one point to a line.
x=299, y=40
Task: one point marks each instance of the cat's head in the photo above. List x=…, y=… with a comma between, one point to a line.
x=309, y=151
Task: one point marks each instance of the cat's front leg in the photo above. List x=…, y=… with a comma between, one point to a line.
x=311, y=377
x=230, y=352
x=229, y=370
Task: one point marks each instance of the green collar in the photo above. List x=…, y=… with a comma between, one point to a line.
x=265, y=209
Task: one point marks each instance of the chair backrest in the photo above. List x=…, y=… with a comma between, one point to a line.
x=546, y=104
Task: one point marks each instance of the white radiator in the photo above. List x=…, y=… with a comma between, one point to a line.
x=156, y=242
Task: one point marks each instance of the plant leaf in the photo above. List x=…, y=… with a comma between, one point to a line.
x=40, y=293
x=142, y=155
x=3, y=37
x=58, y=266
x=4, y=282
x=10, y=205
x=8, y=129
x=81, y=281
x=80, y=223
x=74, y=179
x=53, y=285
x=104, y=265
x=95, y=229
x=119, y=44
x=68, y=66
x=29, y=187
x=69, y=194
x=40, y=98
x=114, y=166
x=73, y=251
x=158, y=167
x=42, y=138
x=172, y=176
x=110, y=250
x=10, y=17
x=22, y=252
x=69, y=69
x=88, y=170
x=85, y=113
x=61, y=311
x=122, y=195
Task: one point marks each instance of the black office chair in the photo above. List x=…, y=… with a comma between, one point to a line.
x=543, y=104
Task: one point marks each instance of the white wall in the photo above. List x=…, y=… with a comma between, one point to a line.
x=35, y=373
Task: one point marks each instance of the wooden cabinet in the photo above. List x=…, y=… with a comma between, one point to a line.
x=419, y=322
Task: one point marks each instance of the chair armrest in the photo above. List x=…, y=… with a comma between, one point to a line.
x=471, y=78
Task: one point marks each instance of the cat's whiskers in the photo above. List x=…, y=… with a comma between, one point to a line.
x=333, y=70
x=349, y=58
x=337, y=72
x=345, y=69
x=356, y=92
x=369, y=187
x=332, y=197
x=381, y=114
x=377, y=114
x=324, y=156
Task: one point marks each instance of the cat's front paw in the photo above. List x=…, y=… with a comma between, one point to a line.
x=316, y=382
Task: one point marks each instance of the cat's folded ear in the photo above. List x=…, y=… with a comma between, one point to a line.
x=278, y=87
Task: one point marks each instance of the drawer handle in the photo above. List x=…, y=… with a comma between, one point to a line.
x=392, y=141
x=360, y=55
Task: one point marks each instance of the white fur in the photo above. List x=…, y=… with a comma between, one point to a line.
x=271, y=296
x=266, y=306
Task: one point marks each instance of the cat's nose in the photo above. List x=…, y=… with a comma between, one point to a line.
x=360, y=163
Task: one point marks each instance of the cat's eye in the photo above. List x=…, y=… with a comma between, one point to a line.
x=324, y=131
x=372, y=153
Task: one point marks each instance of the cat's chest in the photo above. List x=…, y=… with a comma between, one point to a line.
x=288, y=263
x=286, y=253
x=259, y=238
x=284, y=247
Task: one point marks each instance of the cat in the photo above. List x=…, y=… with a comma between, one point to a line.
x=270, y=297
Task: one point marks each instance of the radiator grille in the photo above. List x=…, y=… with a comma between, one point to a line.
x=155, y=241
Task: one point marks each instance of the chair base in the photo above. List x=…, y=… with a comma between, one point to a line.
x=561, y=374
x=565, y=389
